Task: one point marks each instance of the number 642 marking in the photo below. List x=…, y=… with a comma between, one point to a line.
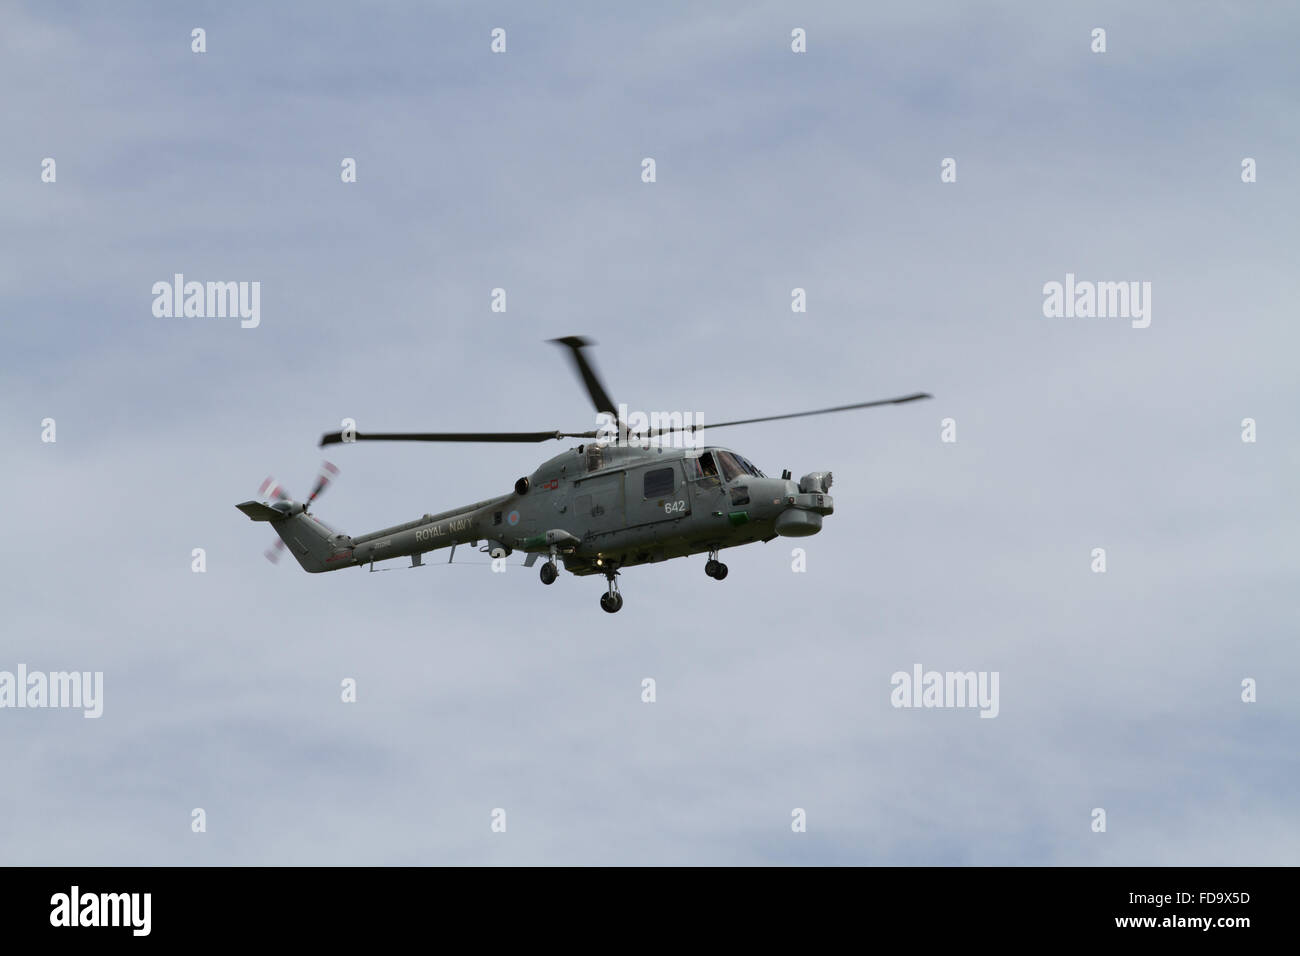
x=673, y=506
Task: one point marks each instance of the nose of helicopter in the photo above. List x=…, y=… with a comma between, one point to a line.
x=803, y=510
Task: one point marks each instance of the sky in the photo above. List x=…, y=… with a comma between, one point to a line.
x=478, y=691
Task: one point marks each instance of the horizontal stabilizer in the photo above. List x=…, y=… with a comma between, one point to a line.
x=260, y=512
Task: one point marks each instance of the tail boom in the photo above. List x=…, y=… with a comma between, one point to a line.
x=317, y=547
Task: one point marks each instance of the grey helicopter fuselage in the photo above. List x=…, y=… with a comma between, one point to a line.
x=595, y=508
x=621, y=500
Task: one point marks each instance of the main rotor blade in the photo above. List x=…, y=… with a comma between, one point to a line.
x=335, y=438
x=595, y=388
x=819, y=411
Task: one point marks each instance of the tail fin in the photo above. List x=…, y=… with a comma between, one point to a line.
x=315, y=545
x=260, y=512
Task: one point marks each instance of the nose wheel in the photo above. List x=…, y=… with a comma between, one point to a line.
x=611, y=601
x=715, y=568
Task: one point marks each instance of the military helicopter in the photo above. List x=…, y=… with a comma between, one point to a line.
x=615, y=501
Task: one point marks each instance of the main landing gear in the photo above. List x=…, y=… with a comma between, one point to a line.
x=611, y=601
x=549, y=571
x=715, y=568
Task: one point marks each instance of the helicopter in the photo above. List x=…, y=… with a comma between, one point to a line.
x=618, y=500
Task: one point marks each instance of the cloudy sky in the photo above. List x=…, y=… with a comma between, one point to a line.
x=775, y=171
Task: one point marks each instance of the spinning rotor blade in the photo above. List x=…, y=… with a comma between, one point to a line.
x=819, y=411
x=595, y=387
x=334, y=438
x=328, y=472
x=600, y=398
x=271, y=490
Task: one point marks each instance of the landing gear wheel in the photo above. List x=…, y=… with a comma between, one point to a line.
x=611, y=600
x=711, y=568
x=719, y=572
x=549, y=573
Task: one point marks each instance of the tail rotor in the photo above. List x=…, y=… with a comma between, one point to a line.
x=274, y=493
x=328, y=472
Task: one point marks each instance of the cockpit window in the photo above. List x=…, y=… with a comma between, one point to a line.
x=712, y=465
x=734, y=465
x=701, y=467
x=731, y=468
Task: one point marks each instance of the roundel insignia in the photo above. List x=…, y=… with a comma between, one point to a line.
x=513, y=518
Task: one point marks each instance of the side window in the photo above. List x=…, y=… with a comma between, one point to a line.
x=658, y=483
x=740, y=495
